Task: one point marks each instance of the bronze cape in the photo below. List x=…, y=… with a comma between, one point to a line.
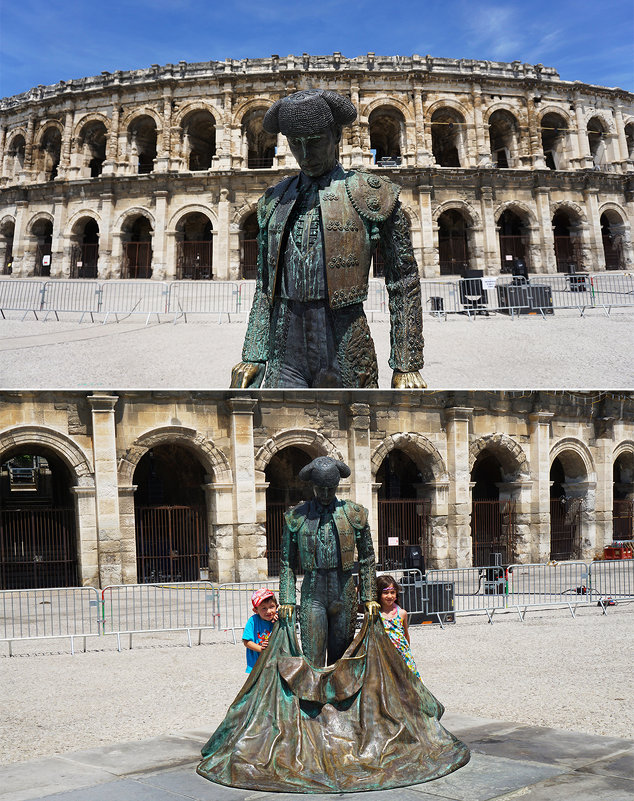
x=364, y=723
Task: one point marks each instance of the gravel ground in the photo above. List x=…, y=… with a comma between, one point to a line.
x=563, y=350
x=552, y=670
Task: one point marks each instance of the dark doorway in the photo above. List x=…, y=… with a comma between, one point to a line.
x=137, y=249
x=567, y=253
x=249, y=247
x=194, y=248
x=85, y=254
x=453, y=248
x=492, y=520
x=623, y=498
x=564, y=517
x=38, y=541
x=170, y=516
x=512, y=240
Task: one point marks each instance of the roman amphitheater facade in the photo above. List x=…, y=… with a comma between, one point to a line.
x=100, y=488
x=156, y=173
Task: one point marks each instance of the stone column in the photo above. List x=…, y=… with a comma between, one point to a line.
x=539, y=449
x=60, y=266
x=112, y=145
x=534, y=135
x=489, y=231
x=604, y=496
x=107, y=488
x=584, y=159
x=621, y=149
x=457, y=420
x=104, y=265
x=127, y=527
x=483, y=146
x=542, y=202
x=250, y=536
x=224, y=143
x=28, y=150
x=356, y=149
x=86, y=527
x=67, y=143
x=582, y=497
x=219, y=501
x=222, y=240
x=595, y=245
x=439, y=552
x=159, y=257
x=3, y=159
x=359, y=460
x=20, y=268
x=162, y=161
x=429, y=266
x=423, y=157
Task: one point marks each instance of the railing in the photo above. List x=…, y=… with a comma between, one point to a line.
x=468, y=296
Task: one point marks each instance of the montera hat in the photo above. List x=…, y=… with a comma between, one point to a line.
x=324, y=471
x=310, y=111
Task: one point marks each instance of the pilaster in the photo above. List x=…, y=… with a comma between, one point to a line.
x=457, y=422
x=539, y=448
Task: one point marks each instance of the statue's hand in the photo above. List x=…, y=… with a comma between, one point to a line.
x=247, y=374
x=372, y=609
x=413, y=380
x=286, y=611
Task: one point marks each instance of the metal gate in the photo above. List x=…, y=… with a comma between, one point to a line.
x=402, y=522
x=37, y=548
x=611, y=253
x=274, y=528
x=492, y=531
x=453, y=254
x=83, y=261
x=171, y=543
x=137, y=260
x=249, y=258
x=564, y=528
x=566, y=253
x=194, y=260
x=623, y=520
x=511, y=245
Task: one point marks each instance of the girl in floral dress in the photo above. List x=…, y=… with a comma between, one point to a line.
x=395, y=619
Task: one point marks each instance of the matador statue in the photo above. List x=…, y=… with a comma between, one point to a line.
x=319, y=540
x=318, y=231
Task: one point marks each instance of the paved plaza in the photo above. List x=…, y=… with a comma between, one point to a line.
x=507, y=762
x=563, y=350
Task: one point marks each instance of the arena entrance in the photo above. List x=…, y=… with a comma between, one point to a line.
x=285, y=489
x=623, y=497
x=567, y=246
x=453, y=248
x=404, y=521
x=194, y=247
x=137, y=249
x=612, y=235
x=85, y=251
x=565, y=516
x=38, y=536
x=492, y=520
x=170, y=516
x=42, y=232
x=249, y=247
x=512, y=240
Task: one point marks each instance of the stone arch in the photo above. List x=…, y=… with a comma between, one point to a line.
x=192, y=208
x=579, y=216
x=45, y=125
x=614, y=209
x=82, y=214
x=8, y=219
x=212, y=458
x=387, y=102
x=87, y=119
x=473, y=218
x=19, y=131
x=553, y=109
x=62, y=445
x=197, y=105
x=447, y=102
x=415, y=446
x=625, y=447
x=569, y=445
x=240, y=215
x=39, y=216
x=141, y=111
x=501, y=105
x=252, y=104
x=520, y=208
x=603, y=116
x=127, y=215
x=412, y=215
x=299, y=437
x=509, y=453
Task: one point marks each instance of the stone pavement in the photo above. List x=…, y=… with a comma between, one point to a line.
x=508, y=761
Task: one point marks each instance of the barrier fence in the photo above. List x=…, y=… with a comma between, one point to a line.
x=469, y=296
x=440, y=596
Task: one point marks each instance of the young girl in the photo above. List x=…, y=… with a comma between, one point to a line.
x=395, y=619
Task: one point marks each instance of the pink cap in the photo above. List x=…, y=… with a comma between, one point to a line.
x=261, y=595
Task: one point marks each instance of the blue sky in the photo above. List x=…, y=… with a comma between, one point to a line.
x=42, y=43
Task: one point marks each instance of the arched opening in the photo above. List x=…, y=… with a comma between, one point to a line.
x=447, y=138
x=85, y=250
x=629, y=139
x=49, y=153
x=194, y=247
x=503, y=138
x=170, y=516
x=623, y=497
x=7, y=231
x=249, y=246
x=199, y=139
x=453, y=243
x=513, y=240
x=612, y=235
x=92, y=145
x=597, y=142
x=142, y=137
x=15, y=153
x=404, y=509
x=567, y=244
x=38, y=546
x=492, y=519
x=42, y=232
x=565, y=507
x=554, y=133
x=285, y=489
x=260, y=145
x=137, y=248
x=387, y=132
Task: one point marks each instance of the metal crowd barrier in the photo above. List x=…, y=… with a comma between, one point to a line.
x=49, y=613
x=611, y=580
x=234, y=603
x=207, y=297
x=147, y=608
x=561, y=584
x=17, y=295
x=76, y=295
x=133, y=297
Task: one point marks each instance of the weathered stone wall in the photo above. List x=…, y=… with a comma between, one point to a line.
x=102, y=437
x=402, y=102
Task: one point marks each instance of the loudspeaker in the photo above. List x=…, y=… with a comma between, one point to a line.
x=525, y=298
x=440, y=596
x=414, y=559
x=413, y=600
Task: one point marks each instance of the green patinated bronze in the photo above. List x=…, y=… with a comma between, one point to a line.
x=365, y=721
